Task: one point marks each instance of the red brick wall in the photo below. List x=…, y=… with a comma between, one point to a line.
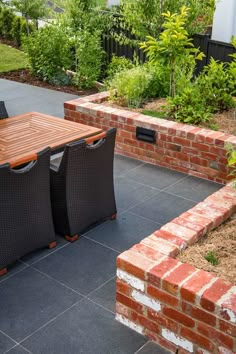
x=185, y=148
x=175, y=304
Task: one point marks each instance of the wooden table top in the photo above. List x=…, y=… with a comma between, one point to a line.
x=22, y=136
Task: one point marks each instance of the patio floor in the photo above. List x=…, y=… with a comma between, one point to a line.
x=63, y=300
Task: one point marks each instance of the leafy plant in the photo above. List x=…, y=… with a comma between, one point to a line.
x=144, y=17
x=211, y=258
x=231, y=156
x=216, y=85
x=188, y=107
x=232, y=67
x=130, y=87
x=173, y=49
x=89, y=56
x=19, y=29
x=118, y=64
x=6, y=20
x=49, y=52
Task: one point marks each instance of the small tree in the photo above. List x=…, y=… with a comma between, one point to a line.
x=31, y=9
x=173, y=49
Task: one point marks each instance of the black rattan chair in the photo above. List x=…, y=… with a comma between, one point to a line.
x=82, y=189
x=25, y=209
x=3, y=111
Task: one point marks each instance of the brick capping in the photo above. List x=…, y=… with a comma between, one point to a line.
x=185, y=148
x=176, y=305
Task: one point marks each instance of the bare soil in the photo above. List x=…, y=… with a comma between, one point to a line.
x=222, y=242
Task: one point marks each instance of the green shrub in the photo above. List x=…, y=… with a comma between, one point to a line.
x=89, y=56
x=231, y=157
x=188, y=107
x=6, y=20
x=216, y=87
x=130, y=87
x=49, y=53
x=118, y=64
x=19, y=29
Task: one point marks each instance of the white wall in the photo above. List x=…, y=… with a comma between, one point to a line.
x=224, y=23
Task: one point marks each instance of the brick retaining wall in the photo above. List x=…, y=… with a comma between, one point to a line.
x=175, y=304
x=198, y=152
x=184, y=309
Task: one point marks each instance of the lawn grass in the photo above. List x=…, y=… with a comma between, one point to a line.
x=159, y=114
x=11, y=59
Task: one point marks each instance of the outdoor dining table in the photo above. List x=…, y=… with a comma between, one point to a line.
x=22, y=136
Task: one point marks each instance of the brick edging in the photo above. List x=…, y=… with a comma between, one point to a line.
x=189, y=149
x=176, y=304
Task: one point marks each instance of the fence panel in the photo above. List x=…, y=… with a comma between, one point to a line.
x=211, y=48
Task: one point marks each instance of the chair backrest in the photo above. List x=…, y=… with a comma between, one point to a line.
x=81, y=157
x=26, y=222
x=88, y=173
x=3, y=111
x=23, y=189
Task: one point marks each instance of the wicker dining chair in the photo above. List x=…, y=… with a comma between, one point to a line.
x=26, y=217
x=3, y=111
x=82, y=188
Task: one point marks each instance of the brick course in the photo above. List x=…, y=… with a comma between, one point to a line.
x=184, y=148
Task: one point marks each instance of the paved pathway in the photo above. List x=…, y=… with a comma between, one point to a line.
x=63, y=300
x=21, y=98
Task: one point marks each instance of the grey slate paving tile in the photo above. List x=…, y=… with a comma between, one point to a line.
x=5, y=343
x=29, y=300
x=152, y=348
x=83, y=265
x=154, y=176
x=18, y=350
x=128, y=193
x=12, y=269
x=89, y=329
x=105, y=295
x=21, y=98
x=194, y=188
x=162, y=207
x=36, y=255
x=122, y=233
x=123, y=164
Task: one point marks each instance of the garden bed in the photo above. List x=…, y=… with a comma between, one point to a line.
x=194, y=150
x=224, y=122
x=220, y=247
x=24, y=76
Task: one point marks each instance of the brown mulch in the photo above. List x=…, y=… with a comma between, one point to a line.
x=222, y=242
x=24, y=76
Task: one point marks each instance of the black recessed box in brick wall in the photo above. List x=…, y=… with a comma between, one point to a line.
x=147, y=135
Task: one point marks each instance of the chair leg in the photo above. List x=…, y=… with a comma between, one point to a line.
x=3, y=271
x=113, y=217
x=71, y=238
x=52, y=244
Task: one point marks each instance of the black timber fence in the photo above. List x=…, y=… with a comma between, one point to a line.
x=211, y=48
